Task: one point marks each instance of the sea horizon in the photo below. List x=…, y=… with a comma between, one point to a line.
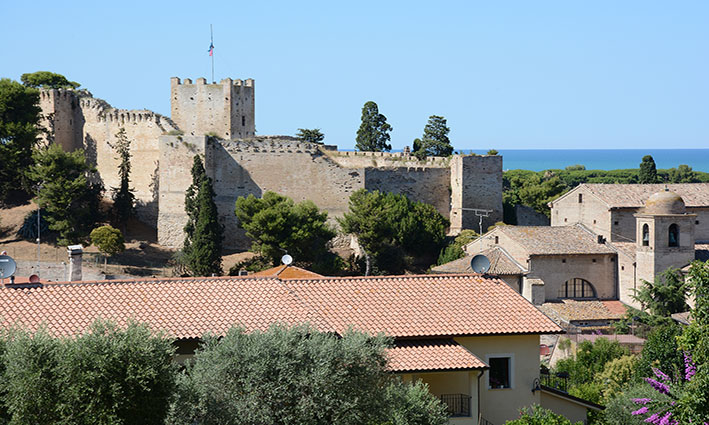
x=596, y=159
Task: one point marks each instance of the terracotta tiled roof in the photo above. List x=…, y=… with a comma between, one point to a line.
x=500, y=264
x=287, y=272
x=555, y=240
x=400, y=306
x=567, y=311
x=627, y=248
x=634, y=195
x=428, y=305
x=427, y=355
x=185, y=308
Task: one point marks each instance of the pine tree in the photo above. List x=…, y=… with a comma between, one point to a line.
x=191, y=208
x=123, y=196
x=648, y=170
x=435, y=141
x=373, y=134
x=204, y=257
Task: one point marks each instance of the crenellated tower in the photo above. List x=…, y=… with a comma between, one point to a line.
x=62, y=117
x=225, y=109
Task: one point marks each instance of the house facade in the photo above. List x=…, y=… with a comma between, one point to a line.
x=474, y=340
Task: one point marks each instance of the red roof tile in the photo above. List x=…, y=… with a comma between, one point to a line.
x=185, y=308
x=287, y=272
x=428, y=355
x=426, y=305
x=400, y=306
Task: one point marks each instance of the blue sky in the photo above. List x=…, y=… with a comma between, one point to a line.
x=506, y=75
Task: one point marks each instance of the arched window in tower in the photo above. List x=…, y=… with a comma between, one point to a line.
x=646, y=235
x=673, y=236
x=577, y=288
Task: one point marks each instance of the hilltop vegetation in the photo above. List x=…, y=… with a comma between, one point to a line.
x=537, y=188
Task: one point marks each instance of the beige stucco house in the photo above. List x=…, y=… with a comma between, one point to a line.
x=473, y=339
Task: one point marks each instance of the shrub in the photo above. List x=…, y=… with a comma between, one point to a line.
x=28, y=231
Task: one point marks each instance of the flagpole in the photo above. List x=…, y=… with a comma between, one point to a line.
x=211, y=40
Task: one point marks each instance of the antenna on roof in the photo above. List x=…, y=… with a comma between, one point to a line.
x=7, y=267
x=480, y=264
x=286, y=259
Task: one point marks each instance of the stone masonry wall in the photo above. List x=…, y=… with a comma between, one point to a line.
x=85, y=122
x=476, y=183
x=162, y=152
x=225, y=109
x=299, y=170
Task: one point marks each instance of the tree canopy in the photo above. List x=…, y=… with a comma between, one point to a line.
x=308, y=377
x=123, y=195
x=435, y=141
x=373, y=134
x=67, y=192
x=105, y=376
x=648, y=170
x=665, y=296
x=310, y=135
x=108, y=240
x=19, y=115
x=395, y=233
x=277, y=225
x=204, y=257
x=49, y=80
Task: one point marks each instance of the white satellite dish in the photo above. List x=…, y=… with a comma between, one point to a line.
x=286, y=259
x=7, y=266
x=480, y=264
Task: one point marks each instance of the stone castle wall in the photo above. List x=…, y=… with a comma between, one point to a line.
x=225, y=109
x=221, y=116
x=84, y=122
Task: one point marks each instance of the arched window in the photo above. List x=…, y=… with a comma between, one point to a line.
x=577, y=288
x=646, y=235
x=673, y=236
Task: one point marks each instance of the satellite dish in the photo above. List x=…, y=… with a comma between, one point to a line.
x=286, y=259
x=34, y=278
x=480, y=264
x=7, y=266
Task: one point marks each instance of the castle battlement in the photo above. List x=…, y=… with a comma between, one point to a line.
x=269, y=146
x=225, y=109
x=175, y=81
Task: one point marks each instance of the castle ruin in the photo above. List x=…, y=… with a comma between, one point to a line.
x=217, y=121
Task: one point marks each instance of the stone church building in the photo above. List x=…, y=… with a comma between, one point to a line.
x=599, y=248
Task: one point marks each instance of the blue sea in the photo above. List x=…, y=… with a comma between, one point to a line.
x=599, y=159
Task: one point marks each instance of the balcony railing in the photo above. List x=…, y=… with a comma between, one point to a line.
x=559, y=380
x=457, y=404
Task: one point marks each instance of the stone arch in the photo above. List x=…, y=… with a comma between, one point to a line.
x=577, y=288
x=646, y=235
x=673, y=235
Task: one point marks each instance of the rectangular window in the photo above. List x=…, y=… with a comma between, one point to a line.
x=500, y=372
x=243, y=121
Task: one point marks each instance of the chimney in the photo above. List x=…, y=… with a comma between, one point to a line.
x=75, y=253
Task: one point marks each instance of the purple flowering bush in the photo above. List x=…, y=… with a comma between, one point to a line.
x=678, y=404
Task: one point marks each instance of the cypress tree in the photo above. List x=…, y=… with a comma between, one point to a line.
x=191, y=208
x=648, y=170
x=123, y=196
x=435, y=141
x=204, y=256
x=373, y=134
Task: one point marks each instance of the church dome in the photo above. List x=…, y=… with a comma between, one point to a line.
x=664, y=202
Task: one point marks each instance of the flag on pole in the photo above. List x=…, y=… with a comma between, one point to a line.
x=211, y=48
